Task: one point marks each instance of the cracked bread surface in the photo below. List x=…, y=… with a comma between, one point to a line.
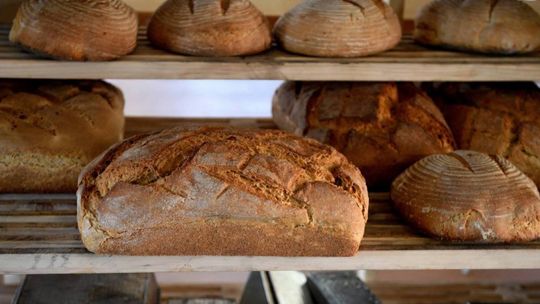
x=214, y=191
x=381, y=127
x=50, y=130
x=495, y=118
x=486, y=26
x=469, y=196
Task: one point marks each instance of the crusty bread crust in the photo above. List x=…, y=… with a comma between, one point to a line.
x=338, y=28
x=210, y=28
x=496, y=118
x=381, y=127
x=76, y=30
x=486, y=26
x=49, y=130
x=469, y=196
x=213, y=191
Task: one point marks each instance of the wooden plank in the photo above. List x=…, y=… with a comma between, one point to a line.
x=369, y=260
x=407, y=62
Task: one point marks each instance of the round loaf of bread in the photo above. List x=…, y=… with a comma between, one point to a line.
x=210, y=28
x=469, y=196
x=93, y=30
x=214, y=191
x=338, y=28
x=487, y=26
x=496, y=118
x=50, y=130
x=381, y=127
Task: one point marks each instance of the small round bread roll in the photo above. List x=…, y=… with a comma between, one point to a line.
x=381, y=127
x=95, y=30
x=487, y=26
x=496, y=118
x=210, y=28
x=338, y=28
x=469, y=196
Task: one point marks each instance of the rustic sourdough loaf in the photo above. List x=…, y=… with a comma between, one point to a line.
x=210, y=28
x=488, y=26
x=338, y=28
x=76, y=30
x=213, y=191
x=496, y=118
x=381, y=127
x=469, y=196
x=49, y=130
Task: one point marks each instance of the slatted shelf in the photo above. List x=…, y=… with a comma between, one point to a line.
x=38, y=234
x=407, y=62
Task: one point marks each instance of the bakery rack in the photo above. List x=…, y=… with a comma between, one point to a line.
x=38, y=233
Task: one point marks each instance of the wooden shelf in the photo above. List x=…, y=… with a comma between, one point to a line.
x=407, y=62
x=38, y=234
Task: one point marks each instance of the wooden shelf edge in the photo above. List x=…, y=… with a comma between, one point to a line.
x=365, y=260
x=244, y=70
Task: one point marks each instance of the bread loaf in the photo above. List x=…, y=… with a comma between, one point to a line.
x=213, y=191
x=337, y=28
x=210, y=28
x=487, y=26
x=496, y=118
x=76, y=30
x=469, y=196
x=49, y=130
x=381, y=127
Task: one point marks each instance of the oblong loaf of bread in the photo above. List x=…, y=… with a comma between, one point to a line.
x=210, y=28
x=93, y=30
x=486, y=26
x=214, y=191
x=338, y=28
x=469, y=196
x=50, y=130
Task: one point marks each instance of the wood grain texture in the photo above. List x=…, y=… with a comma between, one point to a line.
x=338, y=28
x=388, y=242
x=486, y=26
x=214, y=28
x=469, y=196
x=406, y=62
x=76, y=30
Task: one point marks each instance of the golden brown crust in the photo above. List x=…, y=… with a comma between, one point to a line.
x=469, y=196
x=76, y=30
x=213, y=191
x=210, y=28
x=487, y=26
x=49, y=130
x=338, y=28
x=496, y=118
x=381, y=127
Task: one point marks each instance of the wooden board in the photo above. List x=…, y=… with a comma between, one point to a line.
x=38, y=234
x=407, y=61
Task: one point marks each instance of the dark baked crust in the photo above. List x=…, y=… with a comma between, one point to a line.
x=469, y=196
x=381, y=127
x=486, y=26
x=496, y=118
x=210, y=28
x=76, y=30
x=213, y=191
x=49, y=130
